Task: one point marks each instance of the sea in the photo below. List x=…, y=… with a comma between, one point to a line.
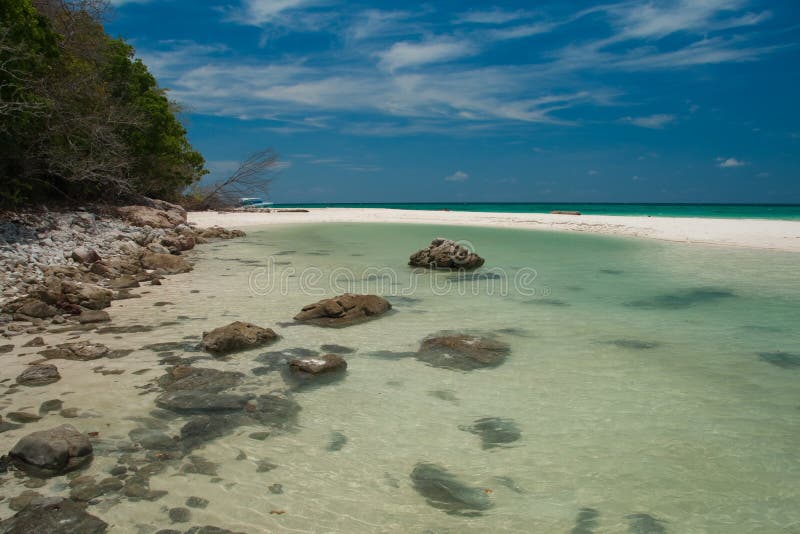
x=650, y=387
x=732, y=211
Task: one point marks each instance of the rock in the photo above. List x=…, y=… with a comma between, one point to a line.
x=345, y=310
x=237, y=336
x=166, y=263
x=125, y=281
x=81, y=351
x=39, y=375
x=217, y=232
x=52, y=405
x=201, y=401
x=444, y=491
x=316, y=365
x=182, y=377
x=494, y=431
x=276, y=489
x=38, y=309
x=180, y=515
x=337, y=442
x=153, y=217
x=152, y=440
x=4, y=349
x=52, y=452
x=337, y=349
x=445, y=254
x=93, y=316
x=85, y=255
x=462, y=351
x=23, y=500
x=196, y=502
x=23, y=417
x=564, y=212
x=204, y=428
x=35, y=342
x=69, y=413
x=87, y=295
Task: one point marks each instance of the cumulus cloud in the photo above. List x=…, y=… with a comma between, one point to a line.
x=458, y=176
x=728, y=163
x=655, y=122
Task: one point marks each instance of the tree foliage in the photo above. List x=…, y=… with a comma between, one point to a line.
x=80, y=116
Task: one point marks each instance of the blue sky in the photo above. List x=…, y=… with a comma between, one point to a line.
x=630, y=101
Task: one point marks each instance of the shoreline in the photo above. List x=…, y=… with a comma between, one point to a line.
x=760, y=234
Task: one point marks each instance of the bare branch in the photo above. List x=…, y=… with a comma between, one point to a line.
x=251, y=178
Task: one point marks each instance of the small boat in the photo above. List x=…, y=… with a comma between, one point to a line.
x=253, y=202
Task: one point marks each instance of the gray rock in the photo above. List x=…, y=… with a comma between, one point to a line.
x=93, y=316
x=53, y=515
x=180, y=515
x=39, y=375
x=445, y=254
x=494, y=431
x=52, y=452
x=463, y=352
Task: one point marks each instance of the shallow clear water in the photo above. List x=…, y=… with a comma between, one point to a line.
x=634, y=377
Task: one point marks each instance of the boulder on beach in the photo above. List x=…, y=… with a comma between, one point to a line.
x=167, y=263
x=93, y=316
x=80, y=350
x=218, y=232
x=87, y=295
x=52, y=452
x=445, y=254
x=53, y=515
x=85, y=255
x=345, y=310
x=39, y=375
x=237, y=336
x=464, y=352
x=36, y=308
x=164, y=215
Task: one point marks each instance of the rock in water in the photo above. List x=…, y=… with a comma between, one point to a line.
x=445, y=254
x=93, y=316
x=344, y=310
x=494, y=431
x=444, y=491
x=645, y=524
x=463, y=352
x=317, y=365
x=237, y=336
x=39, y=375
x=166, y=263
x=81, y=351
x=52, y=452
x=53, y=515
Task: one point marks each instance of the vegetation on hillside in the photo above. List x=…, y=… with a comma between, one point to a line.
x=80, y=118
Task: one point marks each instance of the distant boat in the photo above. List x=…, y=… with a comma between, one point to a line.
x=253, y=202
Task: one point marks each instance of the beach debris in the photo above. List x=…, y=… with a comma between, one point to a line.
x=464, y=352
x=53, y=514
x=444, y=491
x=39, y=375
x=343, y=310
x=237, y=336
x=494, y=431
x=447, y=254
x=52, y=452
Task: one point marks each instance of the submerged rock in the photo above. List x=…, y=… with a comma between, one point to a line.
x=93, y=316
x=311, y=366
x=185, y=378
x=39, y=375
x=52, y=452
x=635, y=344
x=645, y=524
x=344, y=310
x=444, y=491
x=464, y=352
x=683, y=299
x=81, y=350
x=337, y=442
x=53, y=515
x=445, y=254
x=585, y=521
x=237, y=336
x=784, y=360
x=494, y=431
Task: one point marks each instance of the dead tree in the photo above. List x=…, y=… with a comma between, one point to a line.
x=252, y=178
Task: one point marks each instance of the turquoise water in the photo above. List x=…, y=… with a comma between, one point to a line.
x=654, y=383
x=735, y=211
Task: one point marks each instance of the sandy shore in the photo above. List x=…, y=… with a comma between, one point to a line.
x=747, y=233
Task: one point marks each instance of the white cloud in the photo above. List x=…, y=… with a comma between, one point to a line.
x=410, y=54
x=655, y=122
x=728, y=163
x=591, y=172
x=458, y=176
x=491, y=16
x=259, y=12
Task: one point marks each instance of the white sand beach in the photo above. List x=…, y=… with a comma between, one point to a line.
x=766, y=234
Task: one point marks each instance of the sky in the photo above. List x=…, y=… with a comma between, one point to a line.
x=459, y=101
